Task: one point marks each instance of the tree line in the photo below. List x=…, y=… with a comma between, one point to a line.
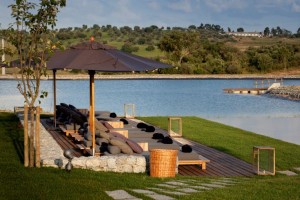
x=202, y=49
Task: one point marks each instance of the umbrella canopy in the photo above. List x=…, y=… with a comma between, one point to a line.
x=93, y=56
x=99, y=57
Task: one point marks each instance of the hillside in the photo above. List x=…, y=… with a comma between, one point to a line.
x=196, y=50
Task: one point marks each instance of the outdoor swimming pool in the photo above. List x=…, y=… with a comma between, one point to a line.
x=273, y=117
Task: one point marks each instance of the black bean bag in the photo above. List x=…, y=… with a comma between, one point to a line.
x=167, y=140
x=158, y=136
x=186, y=148
x=150, y=129
x=113, y=115
x=141, y=125
x=124, y=121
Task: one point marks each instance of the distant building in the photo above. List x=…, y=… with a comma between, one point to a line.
x=246, y=34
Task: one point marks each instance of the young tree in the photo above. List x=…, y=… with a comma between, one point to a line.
x=31, y=36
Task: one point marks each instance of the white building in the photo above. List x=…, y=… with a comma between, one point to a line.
x=246, y=34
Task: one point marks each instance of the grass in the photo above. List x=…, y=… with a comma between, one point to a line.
x=234, y=141
x=245, y=42
x=17, y=182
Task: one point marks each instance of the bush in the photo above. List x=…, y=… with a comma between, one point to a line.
x=129, y=48
x=150, y=48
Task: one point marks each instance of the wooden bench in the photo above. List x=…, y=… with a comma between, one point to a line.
x=86, y=150
x=66, y=131
x=76, y=137
x=201, y=161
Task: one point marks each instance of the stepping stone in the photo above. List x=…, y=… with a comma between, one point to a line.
x=153, y=195
x=187, y=190
x=297, y=168
x=120, y=195
x=287, y=172
x=169, y=192
x=176, y=183
x=212, y=185
x=166, y=185
x=223, y=183
x=201, y=187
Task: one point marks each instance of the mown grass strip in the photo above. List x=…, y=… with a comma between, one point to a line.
x=234, y=141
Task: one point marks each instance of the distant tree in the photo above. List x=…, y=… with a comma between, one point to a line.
x=229, y=29
x=168, y=28
x=192, y=27
x=136, y=28
x=298, y=31
x=279, y=30
x=240, y=29
x=201, y=26
x=84, y=27
x=267, y=31
x=274, y=31
x=96, y=27
x=179, y=44
x=141, y=41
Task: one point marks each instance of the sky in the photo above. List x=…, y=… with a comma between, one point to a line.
x=251, y=15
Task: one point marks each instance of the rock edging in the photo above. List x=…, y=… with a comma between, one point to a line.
x=287, y=92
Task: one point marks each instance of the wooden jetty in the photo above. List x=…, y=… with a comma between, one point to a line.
x=256, y=91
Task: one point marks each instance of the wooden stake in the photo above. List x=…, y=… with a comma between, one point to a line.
x=37, y=138
x=31, y=138
x=26, y=152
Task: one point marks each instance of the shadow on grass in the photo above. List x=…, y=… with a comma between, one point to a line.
x=222, y=149
x=14, y=130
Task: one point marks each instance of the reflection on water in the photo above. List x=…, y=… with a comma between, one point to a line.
x=283, y=128
x=204, y=98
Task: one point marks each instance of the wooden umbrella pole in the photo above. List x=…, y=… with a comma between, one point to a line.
x=54, y=96
x=26, y=152
x=92, y=108
x=37, y=138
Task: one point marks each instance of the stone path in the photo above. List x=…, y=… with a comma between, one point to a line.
x=287, y=172
x=175, y=188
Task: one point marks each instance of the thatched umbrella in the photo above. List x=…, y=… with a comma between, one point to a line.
x=93, y=56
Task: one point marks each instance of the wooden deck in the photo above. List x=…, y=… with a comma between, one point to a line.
x=221, y=164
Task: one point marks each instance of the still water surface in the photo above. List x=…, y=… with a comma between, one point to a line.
x=273, y=117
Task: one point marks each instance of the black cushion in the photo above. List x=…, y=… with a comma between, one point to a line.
x=124, y=121
x=103, y=147
x=141, y=125
x=158, y=136
x=113, y=115
x=72, y=107
x=186, y=148
x=150, y=129
x=64, y=105
x=167, y=140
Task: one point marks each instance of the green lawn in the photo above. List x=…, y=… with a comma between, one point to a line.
x=17, y=182
x=232, y=140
